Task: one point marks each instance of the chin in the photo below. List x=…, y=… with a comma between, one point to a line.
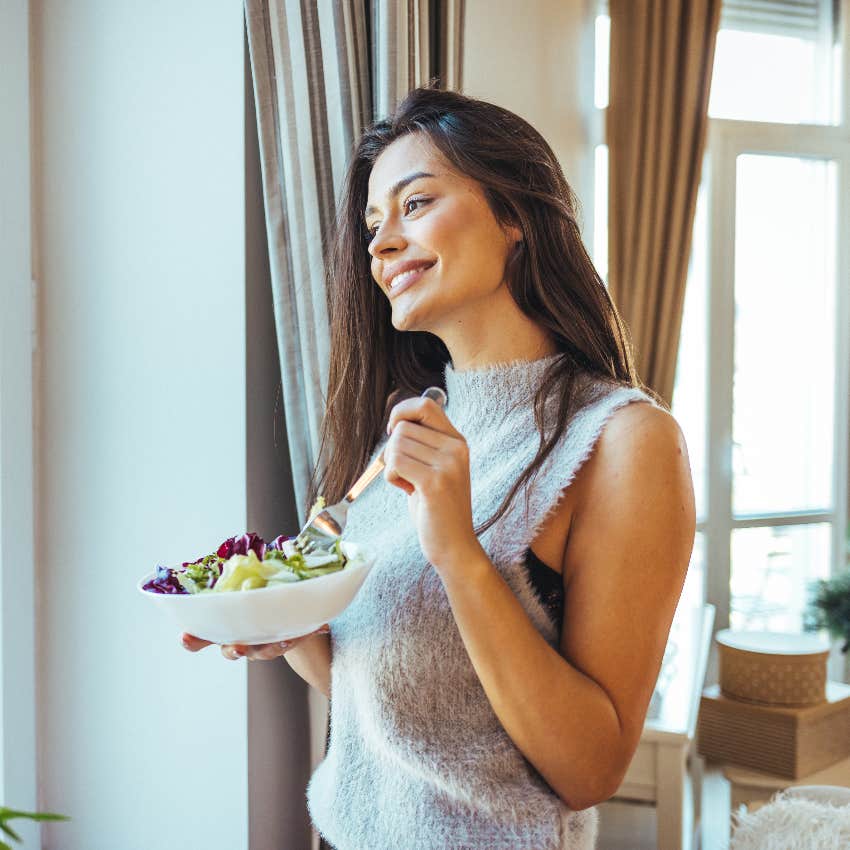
x=410, y=320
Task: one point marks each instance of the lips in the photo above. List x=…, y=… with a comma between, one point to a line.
x=396, y=269
x=407, y=279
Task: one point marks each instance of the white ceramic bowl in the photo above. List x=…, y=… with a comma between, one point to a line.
x=267, y=614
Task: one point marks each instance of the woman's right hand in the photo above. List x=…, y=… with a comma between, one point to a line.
x=253, y=652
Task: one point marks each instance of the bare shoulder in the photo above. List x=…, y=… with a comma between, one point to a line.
x=637, y=436
x=637, y=421
x=640, y=452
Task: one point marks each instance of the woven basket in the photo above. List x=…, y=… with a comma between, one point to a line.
x=772, y=668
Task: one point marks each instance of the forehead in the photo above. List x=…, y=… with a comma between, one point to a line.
x=409, y=154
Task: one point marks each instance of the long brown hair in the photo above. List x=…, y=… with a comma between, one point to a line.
x=550, y=276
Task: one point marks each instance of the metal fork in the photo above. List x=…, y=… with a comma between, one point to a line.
x=327, y=526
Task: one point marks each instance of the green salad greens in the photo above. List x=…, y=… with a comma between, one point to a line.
x=247, y=562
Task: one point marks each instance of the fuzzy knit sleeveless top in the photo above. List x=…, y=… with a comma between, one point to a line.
x=417, y=758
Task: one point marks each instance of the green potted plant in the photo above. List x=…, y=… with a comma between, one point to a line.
x=829, y=608
x=7, y=814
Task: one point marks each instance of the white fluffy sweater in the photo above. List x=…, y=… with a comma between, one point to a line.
x=417, y=758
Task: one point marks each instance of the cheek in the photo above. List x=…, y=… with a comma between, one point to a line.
x=469, y=242
x=472, y=267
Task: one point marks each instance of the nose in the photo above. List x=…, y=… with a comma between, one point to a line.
x=385, y=239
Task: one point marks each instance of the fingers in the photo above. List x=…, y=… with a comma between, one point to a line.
x=257, y=651
x=192, y=643
x=268, y=651
x=232, y=651
x=253, y=652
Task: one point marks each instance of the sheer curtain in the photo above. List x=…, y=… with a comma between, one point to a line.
x=322, y=70
x=662, y=56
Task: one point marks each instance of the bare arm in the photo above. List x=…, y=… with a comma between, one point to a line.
x=311, y=660
x=577, y=714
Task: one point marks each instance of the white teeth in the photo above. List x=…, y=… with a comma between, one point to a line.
x=400, y=278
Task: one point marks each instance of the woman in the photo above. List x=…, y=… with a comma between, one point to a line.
x=490, y=680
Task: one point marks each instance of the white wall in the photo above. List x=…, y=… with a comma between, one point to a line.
x=142, y=452
x=17, y=615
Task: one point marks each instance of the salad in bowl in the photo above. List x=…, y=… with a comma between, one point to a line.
x=249, y=591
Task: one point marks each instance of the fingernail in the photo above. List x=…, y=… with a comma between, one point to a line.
x=284, y=644
x=324, y=630
x=388, y=428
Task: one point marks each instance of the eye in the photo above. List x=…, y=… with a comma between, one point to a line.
x=370, y=231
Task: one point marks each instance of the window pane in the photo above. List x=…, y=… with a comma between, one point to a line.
x=788, y=71
x=770, y=572
x=761, y=76
x=785, y=347
x=601, y=56
x=600, y=210
x=689, y=391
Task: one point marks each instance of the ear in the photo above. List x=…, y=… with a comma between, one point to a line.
x=513, y=234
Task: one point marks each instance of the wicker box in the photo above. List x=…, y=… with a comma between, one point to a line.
x=782, y=740
x=772, y=668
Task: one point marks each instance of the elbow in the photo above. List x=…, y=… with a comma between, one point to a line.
x=587, y=798
x=576, y=804
x=609, y=791
x=616, y=764
x=605, y=770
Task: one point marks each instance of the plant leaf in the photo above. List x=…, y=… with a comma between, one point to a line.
x=47, y=816
x=8, y=814
x=9, y=831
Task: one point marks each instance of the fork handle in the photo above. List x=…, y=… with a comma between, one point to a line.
x=374, y=468
x=377, y=465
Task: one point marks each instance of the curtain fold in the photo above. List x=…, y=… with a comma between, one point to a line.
x=322, y=70
x=662, y=57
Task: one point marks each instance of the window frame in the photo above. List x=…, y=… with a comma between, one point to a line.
x=726, y=140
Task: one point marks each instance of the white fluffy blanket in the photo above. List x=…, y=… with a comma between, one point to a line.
x=792, y=822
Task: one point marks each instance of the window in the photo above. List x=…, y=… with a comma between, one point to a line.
x=763, y=374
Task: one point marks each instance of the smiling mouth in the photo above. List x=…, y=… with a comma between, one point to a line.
x=407, y=279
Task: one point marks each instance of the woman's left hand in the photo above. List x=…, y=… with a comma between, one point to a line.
x=428, y=458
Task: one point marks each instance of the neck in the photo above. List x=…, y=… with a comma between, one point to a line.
x=493, y=330
x=468, y=358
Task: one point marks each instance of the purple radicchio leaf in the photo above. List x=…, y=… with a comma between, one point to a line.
x=241, y=544
x=277, y=543
x=164, y=582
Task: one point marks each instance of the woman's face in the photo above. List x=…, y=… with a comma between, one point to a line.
x=443, y=220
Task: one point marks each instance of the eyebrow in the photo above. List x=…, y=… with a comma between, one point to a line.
x=398, y=186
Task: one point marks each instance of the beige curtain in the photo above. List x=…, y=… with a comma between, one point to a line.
x=662, y=55
x=322, y=70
